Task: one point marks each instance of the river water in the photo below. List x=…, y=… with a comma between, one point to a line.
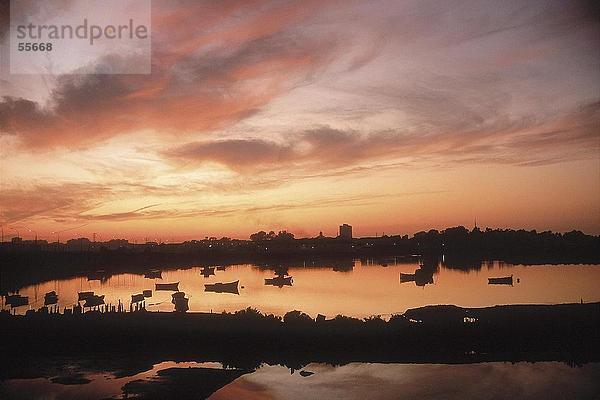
x=352, y=288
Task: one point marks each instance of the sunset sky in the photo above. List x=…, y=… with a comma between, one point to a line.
x=392, y=116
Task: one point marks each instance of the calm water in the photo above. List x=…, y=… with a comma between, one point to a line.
x=353, y=381
x=354, y=289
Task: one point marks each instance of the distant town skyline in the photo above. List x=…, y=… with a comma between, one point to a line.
x=344, y=231
x=390, y=116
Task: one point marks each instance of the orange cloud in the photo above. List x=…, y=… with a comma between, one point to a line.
x=193, y=88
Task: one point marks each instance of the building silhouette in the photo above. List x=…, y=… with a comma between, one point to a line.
x=345, y=231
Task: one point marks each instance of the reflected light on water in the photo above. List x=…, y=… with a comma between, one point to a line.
x=360, y=290
x=418, y=381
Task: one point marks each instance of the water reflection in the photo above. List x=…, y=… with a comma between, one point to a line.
x=366, y=287
x=199, y=380
x=75, y=383
x=424, y=381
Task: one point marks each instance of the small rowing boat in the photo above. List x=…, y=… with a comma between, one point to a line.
x=168, y=286
x=504, y=280
x=229, y=287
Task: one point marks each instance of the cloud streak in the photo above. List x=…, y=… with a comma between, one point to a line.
x=323, y=149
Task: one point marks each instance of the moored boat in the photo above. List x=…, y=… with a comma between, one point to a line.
x=100, y=275
x=83, y=296
x=50, y=298
x=180, y=301
x=153, y=274
x=279, y=281
x=229, y=287
x=504, y=280
x=94, y=301
x=136, y=298
x=168, y=286
x=16, y=300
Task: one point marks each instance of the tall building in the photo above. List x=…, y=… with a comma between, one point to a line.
x=345, y=231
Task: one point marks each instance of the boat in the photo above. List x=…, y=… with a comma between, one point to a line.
x=221, y=268
x=180, y=301
x=50, y=298
x=229, y=287
x=94, y=301
x=178, y=295
x=83, y=296
x=168, y=286
x=504, y=280
x=153, y=274
x=207, y=271
x=147, y=293
x=99, y=275
x=136, y=298
x=16, y=300
x=279, y=281
x=423, y=276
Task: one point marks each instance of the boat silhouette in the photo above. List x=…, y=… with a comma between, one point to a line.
x=504, y=280
x=83, y=296
x=168, y=286
x=180, y=301
x=207, y=271
x=421, y=277
x=279, y=281
x=153, y=274
x=100, y=275
x=94, y=301
x=16, y=300
x=136, y=298
x=50, y=298
x=229, y=287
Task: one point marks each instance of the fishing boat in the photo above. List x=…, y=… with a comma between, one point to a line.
x=279, y=281
x=50, y=298
x=147, y=293
x=504, y=280
x=168, y=286
x=83, y=296
x=16, y=300
x=136, y=298
x=94, y=301
x=153, y=274
x=229, y=287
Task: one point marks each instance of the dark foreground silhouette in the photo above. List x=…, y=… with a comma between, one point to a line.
x=446, y=334
x=182, y=383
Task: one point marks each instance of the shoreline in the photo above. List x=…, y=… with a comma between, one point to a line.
x=443, y=334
